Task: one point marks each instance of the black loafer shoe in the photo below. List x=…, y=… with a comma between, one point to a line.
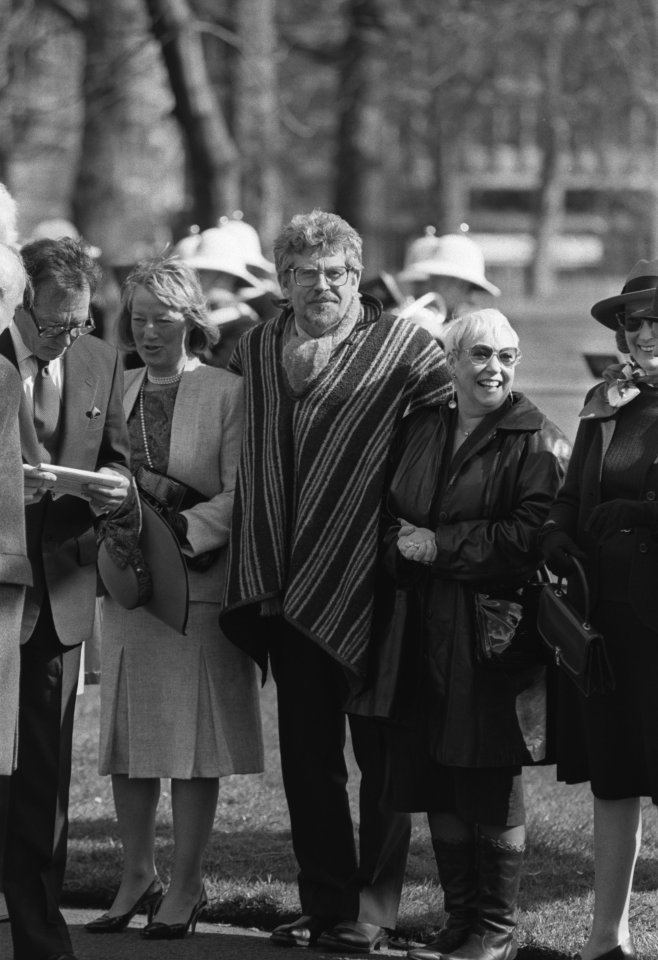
x=353, y=935
x=302, y=932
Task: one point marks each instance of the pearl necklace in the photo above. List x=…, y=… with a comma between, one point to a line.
x=142, y=419
x=162, y=380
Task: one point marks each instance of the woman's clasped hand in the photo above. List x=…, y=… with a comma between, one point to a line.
x=416, y=543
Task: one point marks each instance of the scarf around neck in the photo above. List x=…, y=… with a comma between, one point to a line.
x=621, y=384
x=305, y=357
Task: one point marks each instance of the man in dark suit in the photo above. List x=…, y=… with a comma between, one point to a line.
x=71, y=415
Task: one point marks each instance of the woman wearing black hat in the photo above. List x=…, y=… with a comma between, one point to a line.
x=607, y=515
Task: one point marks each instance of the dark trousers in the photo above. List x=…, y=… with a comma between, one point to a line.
x=333, y=880
x=35, y=854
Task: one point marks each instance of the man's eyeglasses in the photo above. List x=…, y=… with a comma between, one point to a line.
x=50, y=331
x=308, y=276
x=481, y=353
x=634, y=320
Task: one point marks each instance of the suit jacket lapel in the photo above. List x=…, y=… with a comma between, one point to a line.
x=81, y=383
x=183, y=435
x=132, y=380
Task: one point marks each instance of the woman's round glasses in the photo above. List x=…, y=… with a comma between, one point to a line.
x=481, y=353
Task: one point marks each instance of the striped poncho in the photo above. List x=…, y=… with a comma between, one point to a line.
x=311, y=477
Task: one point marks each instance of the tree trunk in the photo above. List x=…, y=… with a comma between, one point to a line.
x=554, y=139
x=360, y=191
x=256, y=116
x=651, y=92
x=213, y=161
x=110, y=206
x=450, y=206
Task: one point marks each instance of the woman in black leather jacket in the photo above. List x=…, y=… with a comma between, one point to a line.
x=472, y=483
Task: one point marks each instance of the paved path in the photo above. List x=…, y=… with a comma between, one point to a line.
x=216, y=941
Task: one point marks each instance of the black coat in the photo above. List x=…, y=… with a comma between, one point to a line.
x=494, y=496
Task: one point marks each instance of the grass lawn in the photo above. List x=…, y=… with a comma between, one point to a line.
x=251, y=872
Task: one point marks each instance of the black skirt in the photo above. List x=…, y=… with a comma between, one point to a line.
x=612, y=739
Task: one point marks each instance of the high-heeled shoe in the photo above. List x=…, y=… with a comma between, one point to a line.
x=625, y=951
x=150, y=901
x=176, y=931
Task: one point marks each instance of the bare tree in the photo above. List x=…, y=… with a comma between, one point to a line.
x=213, y=161
x=257, y=116
x=554, y=142
x=123, y=95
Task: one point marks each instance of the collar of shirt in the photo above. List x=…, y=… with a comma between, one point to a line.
x=28, y=368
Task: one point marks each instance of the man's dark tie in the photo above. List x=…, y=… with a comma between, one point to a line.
x=47, y=404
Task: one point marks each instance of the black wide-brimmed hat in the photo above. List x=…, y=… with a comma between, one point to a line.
x=169, y=599
x=640, y=286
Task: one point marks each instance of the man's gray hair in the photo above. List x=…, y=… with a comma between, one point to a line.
x=321, y=232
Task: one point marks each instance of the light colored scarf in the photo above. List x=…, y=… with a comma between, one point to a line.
x=305, y=357
x=621, y=384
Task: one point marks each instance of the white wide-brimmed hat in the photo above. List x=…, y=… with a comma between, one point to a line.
x=452, y=255
x=216, y=249
x=246, y=240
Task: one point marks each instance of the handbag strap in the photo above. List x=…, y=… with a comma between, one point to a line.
x=583, y=583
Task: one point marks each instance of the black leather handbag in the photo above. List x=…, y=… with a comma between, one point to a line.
x=576, y=646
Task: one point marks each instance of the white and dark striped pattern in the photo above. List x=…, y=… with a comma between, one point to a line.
x=311, y=475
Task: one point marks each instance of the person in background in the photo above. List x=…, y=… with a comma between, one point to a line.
x=15, y=572
x=8, y=218
x=180, y=707
x=326, y=382
x=446, y=277
x=70, y=415
x=471, y=484
x=607, y=516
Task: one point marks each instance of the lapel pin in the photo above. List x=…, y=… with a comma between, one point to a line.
x=93, y=413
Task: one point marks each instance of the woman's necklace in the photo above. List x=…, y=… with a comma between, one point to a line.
x=142, y=420
x=162, y=380
x=471, y=423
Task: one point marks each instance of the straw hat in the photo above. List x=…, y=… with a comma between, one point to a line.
x=640, y=286
x=169, y=601
x=454, y=255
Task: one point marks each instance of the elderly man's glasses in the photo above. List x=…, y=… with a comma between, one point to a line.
x=308, y=276
x=634, y=320
x=481, y=354
x=50, y=331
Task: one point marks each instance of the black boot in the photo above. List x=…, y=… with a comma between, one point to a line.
x=458, y=878
x=499, y=874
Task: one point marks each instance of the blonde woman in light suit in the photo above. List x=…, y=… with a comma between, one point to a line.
x=180, y=707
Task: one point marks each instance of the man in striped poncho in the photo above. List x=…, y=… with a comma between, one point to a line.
x=326, y=383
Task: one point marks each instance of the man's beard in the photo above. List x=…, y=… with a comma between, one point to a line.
x=321, y=317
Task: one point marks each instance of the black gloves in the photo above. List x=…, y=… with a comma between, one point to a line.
x=610, y=517
x=558, y=549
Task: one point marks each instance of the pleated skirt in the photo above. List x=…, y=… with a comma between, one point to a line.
x=174, y=706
